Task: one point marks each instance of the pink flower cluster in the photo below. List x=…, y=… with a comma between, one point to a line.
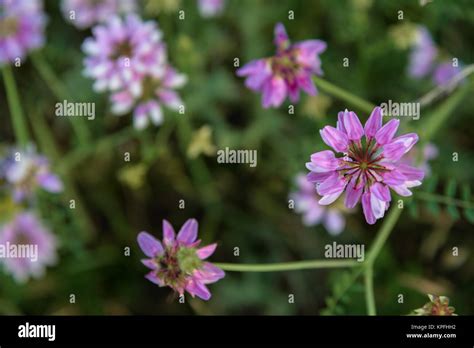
x=128, y=58
x=287, y=72
x=22, y=25
x=178, y=262
x=369, y=166
x=86, y=13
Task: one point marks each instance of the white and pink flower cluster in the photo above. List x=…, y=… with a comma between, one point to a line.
x=22, y=24
x=22, y=175
x=86, y=13
x=128, y=58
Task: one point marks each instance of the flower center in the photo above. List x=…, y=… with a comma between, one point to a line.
x=363, y=162
x=122, y=49
x=284, y=64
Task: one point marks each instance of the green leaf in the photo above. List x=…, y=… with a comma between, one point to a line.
x=433, y=208
x=466, y=195
x=413, y=209
x=452, y=210
x=431, y=183
x=450, y=190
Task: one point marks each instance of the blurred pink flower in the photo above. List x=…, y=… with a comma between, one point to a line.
x=306, y=203
x=26, y=171
x=22, y=24
x=152, y=93
x=368, y=167
x=287, y=72
x=423, y=53
x=178, y=262
x=444, y=72
x=86, y=13
x=122, y=51
x=210, y=8
x=25, y=232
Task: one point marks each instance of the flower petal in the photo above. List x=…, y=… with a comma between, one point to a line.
x=352, y=125
x=335, y=138
x=373, y=123
x=188, y=233
x=205, y=252
x=334, y=222
x=168, y=233
x=367, y=208
x=150, y=246
x=385, y=134
x=399, y=146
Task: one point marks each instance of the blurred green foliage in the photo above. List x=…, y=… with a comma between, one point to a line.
x=238, y=206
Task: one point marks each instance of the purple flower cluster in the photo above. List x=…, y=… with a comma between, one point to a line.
x=86, y=13
x=307, y=203
x=287, y=72
x=25, y=232
x=22, y=25
x=210, y=8
x=128, y=58
x=423, y=58
x=178, y=262
x=25, y=172
x=369, y=167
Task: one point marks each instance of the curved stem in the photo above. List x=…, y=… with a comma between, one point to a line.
x=286, y=266
x=18, y=118
x=382, y=235
x=342, y=94
x=369, y=289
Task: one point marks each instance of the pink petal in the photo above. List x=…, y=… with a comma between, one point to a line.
x=353, y=193
x=188, y=233
x=385, y=134
x=381, y=191
x=274, y=92
x=150, y=246
x=367, y=208
x=352, y=125
x=335, y=138
x=323, y=161
x=152, y=277
x=374, y=122
x=196, y=288
x=168, y=233
x=205, y=252
x=334, y=184
x=399, y=146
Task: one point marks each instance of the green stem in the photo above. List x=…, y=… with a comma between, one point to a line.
x=18, y=118
x=342, y=94
x=369, y=289
x=382, y=235
x=287, y=266
x=61, y=92
x=432, y=197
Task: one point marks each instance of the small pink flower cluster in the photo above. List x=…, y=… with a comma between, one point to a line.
x=128, y=58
